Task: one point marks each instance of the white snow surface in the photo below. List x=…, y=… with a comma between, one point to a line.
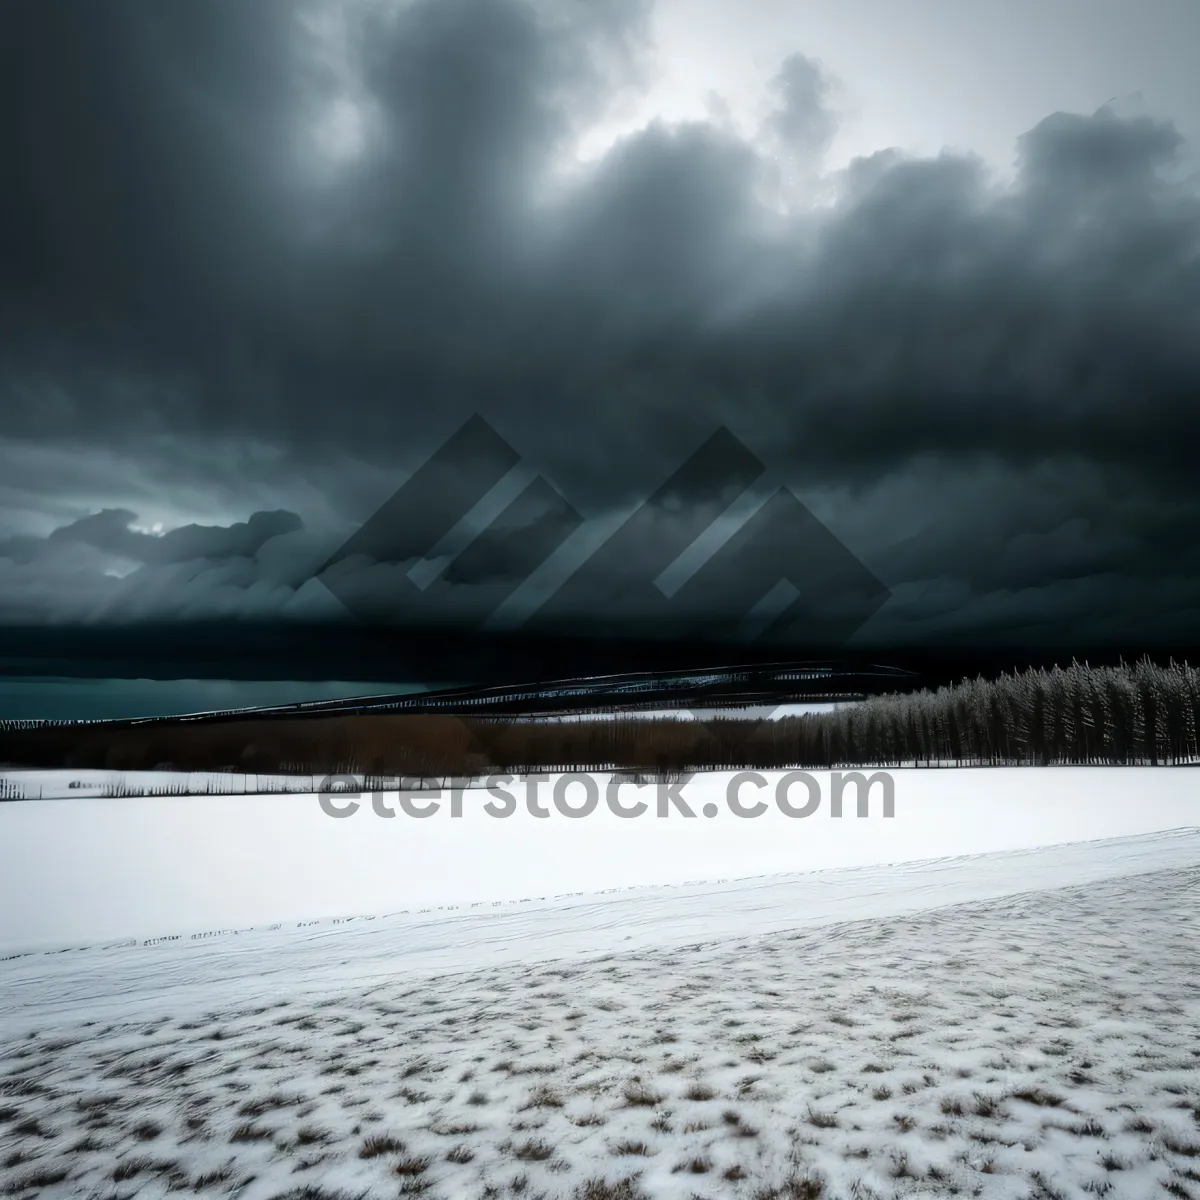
x=1015, y=1024
x=254, y=965
x=836, y=1034
x=78, y=871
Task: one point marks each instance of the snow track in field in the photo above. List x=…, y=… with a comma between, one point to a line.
x=256, y=965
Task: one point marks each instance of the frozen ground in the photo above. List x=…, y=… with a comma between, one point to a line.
x=78, y=871
x=848, y=1033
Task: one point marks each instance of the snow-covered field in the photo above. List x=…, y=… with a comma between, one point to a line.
x=98, y=784
x=773, y=1038
x=77, y=871
x=1019, y=1023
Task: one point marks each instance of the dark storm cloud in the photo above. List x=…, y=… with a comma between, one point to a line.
x=103, y=567
x=183, y=270
x=112, y=530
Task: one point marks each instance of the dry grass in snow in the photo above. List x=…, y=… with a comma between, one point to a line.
x=1045, y=1045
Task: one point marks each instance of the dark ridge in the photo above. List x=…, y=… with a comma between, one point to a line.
x=720, y=687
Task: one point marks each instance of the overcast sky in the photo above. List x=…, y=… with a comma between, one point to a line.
x=935, y=265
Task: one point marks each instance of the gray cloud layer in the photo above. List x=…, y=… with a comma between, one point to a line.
x=988, y=390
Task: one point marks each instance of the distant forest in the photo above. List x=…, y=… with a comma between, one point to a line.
x=1131, y=714
x=1140, y=714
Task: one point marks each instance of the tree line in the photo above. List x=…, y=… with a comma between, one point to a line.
x=1130, y=714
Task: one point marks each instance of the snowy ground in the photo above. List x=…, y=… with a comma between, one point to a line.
x=846, y=1033
x=98, y=783
x=80, y=871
